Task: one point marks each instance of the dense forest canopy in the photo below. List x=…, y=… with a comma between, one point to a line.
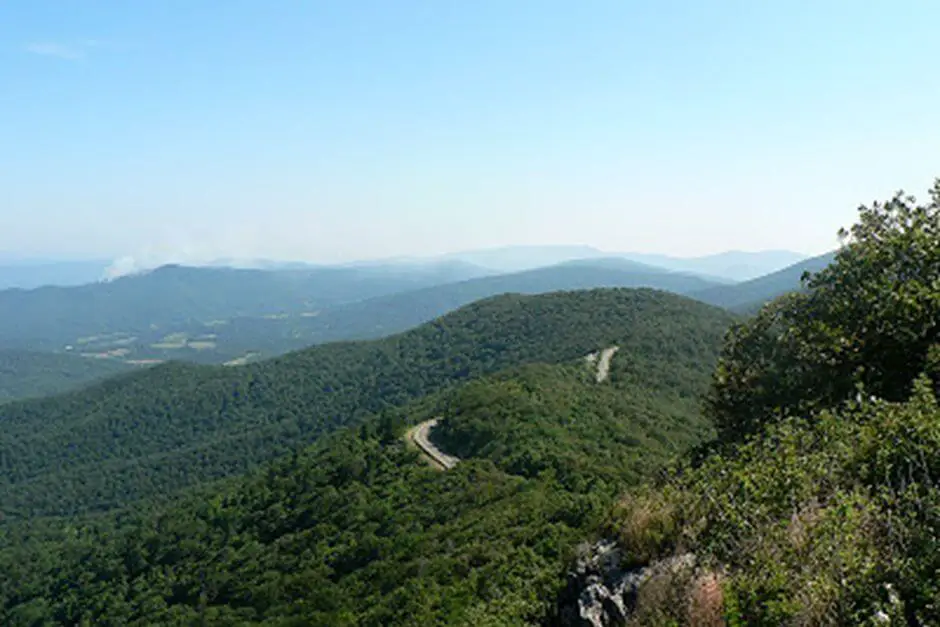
x=28, y=374
x=819, y=505
x=178, y=425
x=870, y=320
x=357, y=529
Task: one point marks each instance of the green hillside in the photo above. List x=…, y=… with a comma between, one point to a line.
x=554, y=420
x=358, y=530
x=220, y=315
x=29, y=374
x=177, y=425
x=382, y=316
x=816, y=503
x=819, y=505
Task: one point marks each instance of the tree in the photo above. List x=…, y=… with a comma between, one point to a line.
x=870, y=320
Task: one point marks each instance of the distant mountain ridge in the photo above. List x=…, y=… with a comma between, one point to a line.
x=49, y=318
x=750, y=295
x=394, y=313
x=31, y=273
x=729, y=266
x=733, y=265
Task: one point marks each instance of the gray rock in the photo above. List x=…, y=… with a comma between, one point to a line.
x=601, y=592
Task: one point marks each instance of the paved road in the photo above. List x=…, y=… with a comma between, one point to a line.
x=419, y=435
x=603, y=365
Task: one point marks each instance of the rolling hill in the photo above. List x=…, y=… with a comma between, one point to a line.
x=379, y=317
x=155, y=303
x=355, y=530
x=199, y=325
x=26, y=374
x=177, y=425
x=750, y=295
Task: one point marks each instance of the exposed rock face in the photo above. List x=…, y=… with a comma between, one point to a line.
x=601, y=592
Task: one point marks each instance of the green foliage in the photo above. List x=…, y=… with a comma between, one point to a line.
x=359, y=531
x=556, y=421
x=816, y=520
x=26, y=374
x=173, y=426
x=393, y=313
x=271, y=312
x=829, y=513
x=869, y=319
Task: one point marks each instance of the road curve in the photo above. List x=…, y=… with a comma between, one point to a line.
x=603, y=364
x=419, y=435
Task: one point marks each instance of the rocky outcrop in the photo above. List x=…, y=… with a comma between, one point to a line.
x=601, y=592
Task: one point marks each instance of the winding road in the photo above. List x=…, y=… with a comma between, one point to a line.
x=419, y=435
x=603, y=364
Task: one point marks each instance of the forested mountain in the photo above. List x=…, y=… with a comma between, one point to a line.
x=199, y=325
x=174, y=425
x=26, y=374
x=385, y=315
x=819, y=504
x=816, y=504
x=359, y=531
x=157, y=302
x=751, y=295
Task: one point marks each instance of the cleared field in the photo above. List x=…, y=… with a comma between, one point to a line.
x=173, y=341
x=201, y=345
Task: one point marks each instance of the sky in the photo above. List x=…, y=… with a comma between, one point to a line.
x=186, y=130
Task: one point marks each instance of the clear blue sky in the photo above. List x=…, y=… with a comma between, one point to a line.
x=328, y=130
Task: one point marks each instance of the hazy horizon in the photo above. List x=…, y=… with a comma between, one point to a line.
x=173, y=132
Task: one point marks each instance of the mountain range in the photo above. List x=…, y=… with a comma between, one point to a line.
x=158, y=430
x=234, y=316
x=625, y=455
x=731, y=266
x=176, y=494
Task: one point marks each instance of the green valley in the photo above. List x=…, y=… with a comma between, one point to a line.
x=778, y=469
x=174, y=425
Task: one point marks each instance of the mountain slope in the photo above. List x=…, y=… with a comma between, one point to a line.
x=27, y=374
x=751, y=294
x=52, y=317
x=176, y=425
x=383, y=316
x=819, y=504
x=358, y=530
